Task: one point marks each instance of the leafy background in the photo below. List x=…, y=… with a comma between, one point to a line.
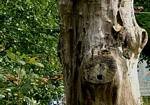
x=30, y=72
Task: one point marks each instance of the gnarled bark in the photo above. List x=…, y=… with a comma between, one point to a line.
x=100, y=44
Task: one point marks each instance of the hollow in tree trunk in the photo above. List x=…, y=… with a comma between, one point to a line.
x=100, y=44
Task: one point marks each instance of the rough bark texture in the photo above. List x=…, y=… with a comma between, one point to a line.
x=100, y=44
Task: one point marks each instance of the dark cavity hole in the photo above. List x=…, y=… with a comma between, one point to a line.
x=143, y=36
x=99, y=77
x=125, y=44
x=119, y=20
x=114, y=33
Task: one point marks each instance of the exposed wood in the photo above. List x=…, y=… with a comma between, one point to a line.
x=100, y=44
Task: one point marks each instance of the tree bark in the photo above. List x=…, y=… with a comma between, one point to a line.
x=100, y=44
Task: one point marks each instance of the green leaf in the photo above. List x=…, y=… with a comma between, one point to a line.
x=32, y=60
x=11, y=55
x=2, y=47
x=21, y=73
x=21, y=62
x=39, y=64
x=2, y=96
x=2, y=77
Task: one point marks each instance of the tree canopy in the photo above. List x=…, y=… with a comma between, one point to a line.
x=29, y=68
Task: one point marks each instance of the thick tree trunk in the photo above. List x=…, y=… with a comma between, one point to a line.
x=100, y=45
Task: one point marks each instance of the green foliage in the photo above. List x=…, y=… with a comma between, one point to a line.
x=28, y=56
x=144, y=3
x=146, y=100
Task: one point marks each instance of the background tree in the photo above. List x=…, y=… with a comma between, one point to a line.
x=144, y=21
x=29, y=69
x=100, y=46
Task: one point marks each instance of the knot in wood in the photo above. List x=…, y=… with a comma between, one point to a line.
x=99, y=69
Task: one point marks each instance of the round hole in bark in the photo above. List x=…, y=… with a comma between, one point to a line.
x=99, y=77
x=100, y=65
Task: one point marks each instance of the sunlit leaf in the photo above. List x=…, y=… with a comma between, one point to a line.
x=22, y=62
x=39, y=64
x=2, y=77
x=11, y=55
x=32, y=60
x=2, y=96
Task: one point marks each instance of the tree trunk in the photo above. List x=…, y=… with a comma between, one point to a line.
x=100, y=44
